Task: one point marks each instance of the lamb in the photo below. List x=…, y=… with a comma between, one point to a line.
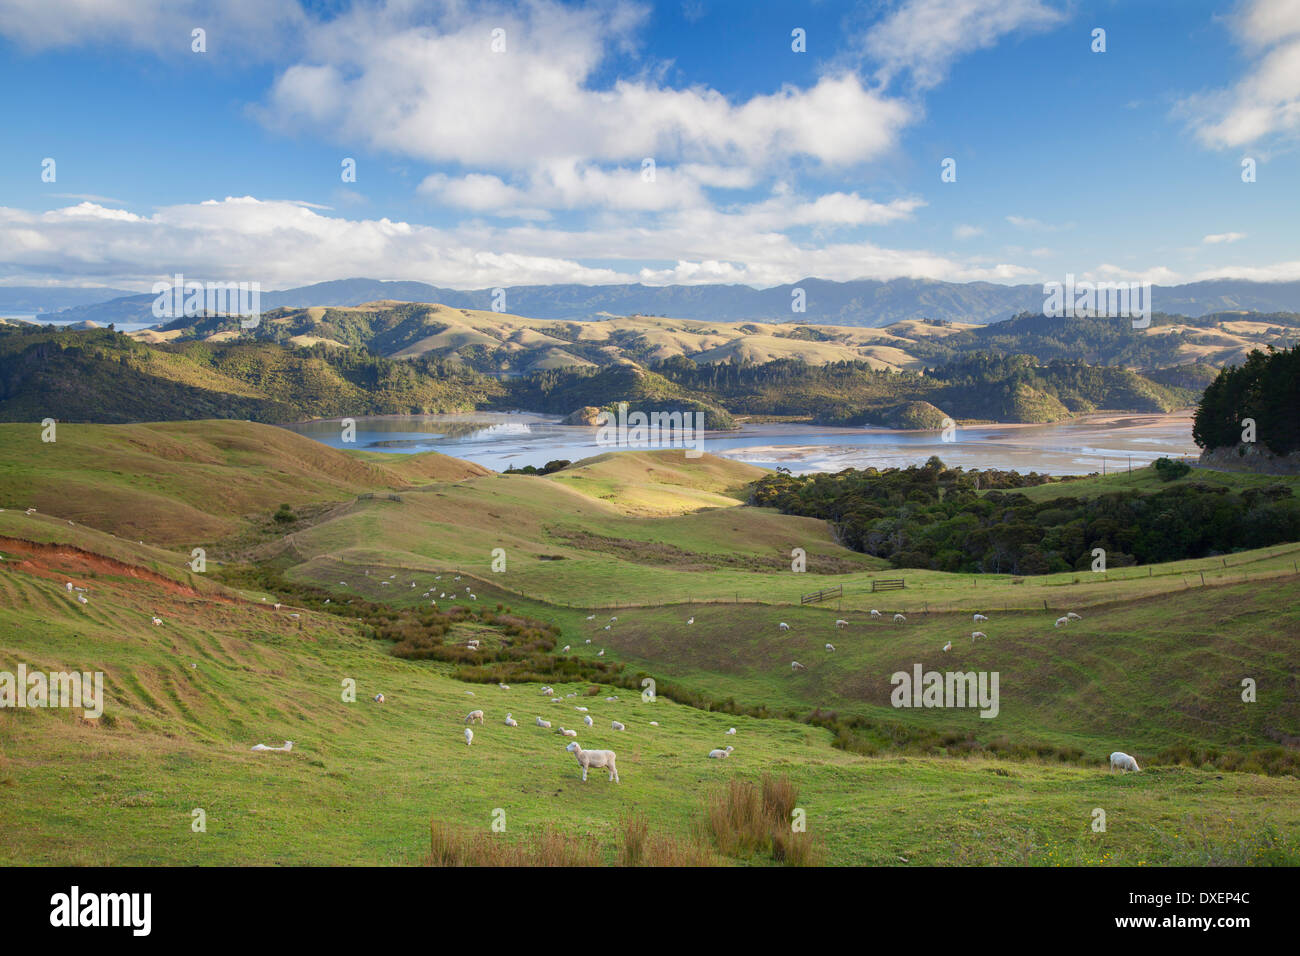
x=568, y=733
x=1073, y=617
x=606, y=628
x=510, y=721
x=1122, y=761
x=591, y=617
x=654, y=723
x=841, y=623
x=615, y=725
x=947, y=647
x=587, y=720
x=469, y=737
x=565, y=650
x=582, y=709
x=980, y=617
x=796, y=666
x=731, y=732
x=1061, y=622
x=899, y=619
x=600, y=759
x=975, y=634
x=548, y=691
x=690, y=620
x=784, y=626
x=504, y=686
x=876, y=614
x=721, y=754
x=830, y=647
x=600, y=653
x=378, y=698
x=474, y=716
x=543, y=723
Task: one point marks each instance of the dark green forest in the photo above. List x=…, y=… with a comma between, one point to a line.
x=1265, y=388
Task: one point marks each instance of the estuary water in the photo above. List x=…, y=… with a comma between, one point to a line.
x=501, y=440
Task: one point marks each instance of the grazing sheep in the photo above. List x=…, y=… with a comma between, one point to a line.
x=82, y=598
x=1061, y=622
x=548, y=691
x=469, y=737
x=587, y=720
x=601, y=652
x=899, y=619
x=600, y=759
x=565, y=650
x=980, y=617
x=288, y=745
x=591, y=617
x=582, y=709
x=830, y=647
x=784, y=626
x=947, y=647
x=654, y=723
x=612, y=619
x=721, y=754
x=606, y=628
x=157, y=621
x=975, y=634
x=1073, y=617
x=567, y=733
x=511, y=722
x=588, y=640
x=796, y=666
x=690, y=620
x=615, y=725
x=474, y=716
x=731, y=732
x=611, y=699
x=841, y=623
x=1122, y=761
x=876, y=614
x=543, y=723
x=504, y=686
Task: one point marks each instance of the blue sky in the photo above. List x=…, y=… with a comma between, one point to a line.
x=478, y=168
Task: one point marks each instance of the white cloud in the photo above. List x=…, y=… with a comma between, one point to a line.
x=1266, y=101
x=924, y=37
x=280, y=244
x=1222, y=237
x=963, y=231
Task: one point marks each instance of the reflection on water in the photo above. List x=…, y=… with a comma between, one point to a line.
x=500, y=440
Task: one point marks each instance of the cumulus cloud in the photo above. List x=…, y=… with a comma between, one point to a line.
x=1222, y=237
x=280, y=243
x=1266, y=101
x=924, y=37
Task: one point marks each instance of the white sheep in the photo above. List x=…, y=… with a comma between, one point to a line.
x=543, y=723
x=899, y=619
x=548, y=691
x=469, y=737
x=876, y=614
x=654, y=723
x=474, y=716
x=841, y=623
x=378, y=698
x=975, y=634
x=1073, y=617
x=581, y=709
x=690, y=620
x=612, y=619
x=1122, y=761
x=830, y=647
x=565, y=649
x=980, y=617
x=615, y=725
x=567, y=733
x=288, y=746
x=947, y=647
x=721, y=754
x=586, y=719
x=600, y=759
x=796, y=666
x=591, y=617
x=784, y=626
x=600, y=653
x=607, y=627
x=731, y=732
x=157, y=621
x=588, y=640
x=1061, y=622
x=511, y=722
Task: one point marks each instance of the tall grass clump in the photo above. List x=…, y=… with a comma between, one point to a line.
x=747, y=819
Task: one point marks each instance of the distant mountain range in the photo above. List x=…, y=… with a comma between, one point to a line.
x=35, y=299
x=863, y=303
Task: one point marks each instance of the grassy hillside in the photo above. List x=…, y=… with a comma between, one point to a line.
x=188, y=698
